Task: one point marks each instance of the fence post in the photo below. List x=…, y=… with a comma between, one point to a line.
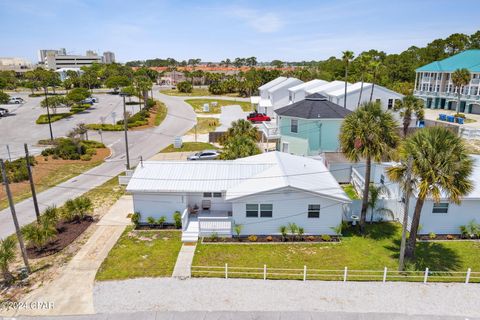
x=467, y=279
x=304, y=273
x=264, y=272
x=384, y=274
x=226, y=270
x=425, y=277
x=345, y=274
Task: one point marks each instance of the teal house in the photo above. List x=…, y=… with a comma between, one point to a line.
x=433, y=83
x=310, y=126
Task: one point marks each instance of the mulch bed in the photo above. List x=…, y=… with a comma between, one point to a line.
x=271, y=239
x=166, y=226
x=67, y=233
x=450, y=237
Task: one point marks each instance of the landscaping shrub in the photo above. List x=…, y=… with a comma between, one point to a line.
x=135, y=218
x=214, y=237
x=432, y=235
x=43, y=118
x=151, y=221
x=326, y=237
x=177, y=217
x=86, y=157
x=450, y=237
x=77, y=209
x=311, y=238
x=105, y=127
x=40, y=234
x=69, y=149
x=460, y=115
x=252, y=238
x=185, y=87
x=269, y=238
x=161, y=220
x=17, y=169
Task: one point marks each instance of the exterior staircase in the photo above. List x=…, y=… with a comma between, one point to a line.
x=190, y=234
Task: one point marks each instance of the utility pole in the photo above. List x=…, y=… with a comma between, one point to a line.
x=407, y=191
x=14, y=215
x=125, y=128
x=9, y=155
x=32, y=185
x=48, y=113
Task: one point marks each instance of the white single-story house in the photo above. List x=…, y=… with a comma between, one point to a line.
x=440, y=218
x=261, y=193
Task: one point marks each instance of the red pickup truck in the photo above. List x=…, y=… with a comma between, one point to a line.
x=258, y=117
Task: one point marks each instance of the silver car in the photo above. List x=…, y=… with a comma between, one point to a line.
x=16, y=100
x=205, y=155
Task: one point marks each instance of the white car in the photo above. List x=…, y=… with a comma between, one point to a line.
x=3, y=112
x=205, y=155
x=15, y=100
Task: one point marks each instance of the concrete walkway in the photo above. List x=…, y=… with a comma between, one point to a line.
x=72, y=291
x=184, y=261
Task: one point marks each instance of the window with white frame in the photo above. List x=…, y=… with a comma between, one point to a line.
x=217, y=194
x=441, y=207
x=294, y=125
x=251, y=210
x=207, y=194
x=314, y=211
x=266, y=210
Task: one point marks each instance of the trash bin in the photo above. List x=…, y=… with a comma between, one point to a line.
x=450, y=119
x=460, y=120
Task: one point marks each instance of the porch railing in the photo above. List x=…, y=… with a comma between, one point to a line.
x=219, y=225
x=271, y=131
x=358, y=181
x=185, y=219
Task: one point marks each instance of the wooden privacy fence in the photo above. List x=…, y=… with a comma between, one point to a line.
x=344, y=275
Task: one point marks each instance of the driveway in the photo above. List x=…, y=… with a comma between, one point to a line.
x=145, y=143
x=169, y=294
x=71, y=293
x=228, y=115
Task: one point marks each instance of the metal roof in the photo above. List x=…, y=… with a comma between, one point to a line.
x=469, y=59
x=307, y=85
x=290, y=82
x=239, y=178
x=327, y=86
x=272, y=83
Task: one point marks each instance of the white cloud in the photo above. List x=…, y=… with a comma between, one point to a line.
x=267, y=22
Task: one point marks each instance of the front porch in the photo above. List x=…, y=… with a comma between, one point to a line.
x=205, y=223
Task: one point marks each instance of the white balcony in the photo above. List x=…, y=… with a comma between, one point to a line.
x=270, y=130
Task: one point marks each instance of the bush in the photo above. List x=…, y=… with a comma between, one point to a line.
x=135, y=218
x=151, y=221
x=17, y=169
x=40, y=234
x=91, y=151
x=177, y=217
x=86, y=157
x=214, y=237
x=460, y=115
x=326, y=237
x=185, y=87
x=450, y=237
x=68, y=149
x=105, y=127
x=432, y=235
x=252, y=238
x=77, y=209
x=43, y=118
x=311, y=238
x=161, y=220
x=269, y=238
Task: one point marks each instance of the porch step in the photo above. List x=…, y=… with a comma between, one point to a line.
x=191, y=232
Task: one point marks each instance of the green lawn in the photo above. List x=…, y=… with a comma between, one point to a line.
x=204, y=125
x=190, y=146
x=141, y=254
x=197, y=104
x=350, y=191
x=161, y=113
x=196, y=92
x=377, y=250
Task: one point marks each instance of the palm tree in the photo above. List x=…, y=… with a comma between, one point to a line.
x=347, y=58
x=374, y=65
x=441, y=168
x=408, y=106
x=239, y=146
x=368, y=133
x=7, y=256
x=374, y=194
x=363, y=65
x=460, y=78
x=241, y=127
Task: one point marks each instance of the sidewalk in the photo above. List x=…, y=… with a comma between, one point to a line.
x=72, y=291
x=184, y=261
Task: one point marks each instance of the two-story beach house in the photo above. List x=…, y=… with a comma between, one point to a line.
x=274, y=95
x=310, y=126
x=433, y=83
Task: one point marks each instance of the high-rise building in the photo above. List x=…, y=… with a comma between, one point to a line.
x=108, y=57
x=58, y=61
x=42, y=54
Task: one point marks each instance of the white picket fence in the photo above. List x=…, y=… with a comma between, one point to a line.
x=344, y=275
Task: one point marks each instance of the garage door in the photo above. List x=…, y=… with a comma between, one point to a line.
x=476, y=108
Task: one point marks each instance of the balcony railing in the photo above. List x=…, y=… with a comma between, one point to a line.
x=221, y=226
x=270, y=130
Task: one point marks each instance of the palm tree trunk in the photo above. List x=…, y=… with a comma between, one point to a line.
x=406, y=124
x=345, y=97
x=360, y=95
x=412, y=240
x=373, y=85
x=363, y=214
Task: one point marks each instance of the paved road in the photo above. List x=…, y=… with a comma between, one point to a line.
x=258, y=315
x=146, y=143
x=204, y=294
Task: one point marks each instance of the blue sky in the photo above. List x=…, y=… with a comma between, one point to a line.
x=214, y=30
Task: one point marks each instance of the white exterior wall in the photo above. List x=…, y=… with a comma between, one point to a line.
x=446, y=223
x=217, y=203
x=378, y=93
x=288, y=207
x=157, y=205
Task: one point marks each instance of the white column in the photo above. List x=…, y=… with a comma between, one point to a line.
x=416, y=80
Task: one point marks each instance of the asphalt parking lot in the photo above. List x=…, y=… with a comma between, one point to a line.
x=19, y=126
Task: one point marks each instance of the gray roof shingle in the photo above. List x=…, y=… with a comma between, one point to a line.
x=314, y=106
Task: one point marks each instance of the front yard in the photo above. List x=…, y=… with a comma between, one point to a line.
x=204, y=125
x=375, y=251
x=141, y=254
x=197, y=105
